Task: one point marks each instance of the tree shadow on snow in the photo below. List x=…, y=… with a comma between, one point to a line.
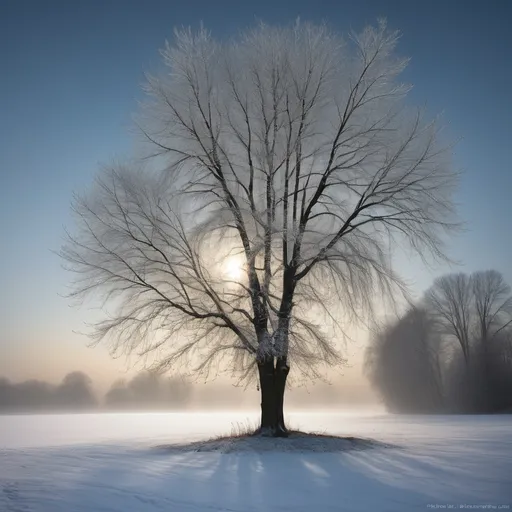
x=377, y=478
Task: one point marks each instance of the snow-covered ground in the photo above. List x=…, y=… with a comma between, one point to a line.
x=109, y=462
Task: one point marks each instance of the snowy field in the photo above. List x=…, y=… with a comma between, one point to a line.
x=109, y=462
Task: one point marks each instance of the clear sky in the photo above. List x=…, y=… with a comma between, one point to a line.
x=71, y=75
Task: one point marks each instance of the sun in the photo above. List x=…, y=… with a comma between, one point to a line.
x=233, y=267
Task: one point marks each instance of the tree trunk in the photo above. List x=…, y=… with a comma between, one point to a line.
x=272, y=385
x=280, y=376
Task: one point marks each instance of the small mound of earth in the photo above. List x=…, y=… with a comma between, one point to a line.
x=295, y=442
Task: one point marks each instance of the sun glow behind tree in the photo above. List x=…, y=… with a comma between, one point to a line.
x=295, y=146
x=234, y=268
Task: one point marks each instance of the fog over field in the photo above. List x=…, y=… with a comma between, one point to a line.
x=147, y=392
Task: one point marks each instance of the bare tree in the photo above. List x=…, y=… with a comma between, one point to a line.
x=450, y=300
x=493, y=314
x=476, y=306
x=407, y=362
x=289, y=169
x=493, y=304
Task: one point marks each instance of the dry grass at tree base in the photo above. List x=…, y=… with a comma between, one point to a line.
x=244, y=438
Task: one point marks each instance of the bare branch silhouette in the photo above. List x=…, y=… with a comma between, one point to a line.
x=290, y=150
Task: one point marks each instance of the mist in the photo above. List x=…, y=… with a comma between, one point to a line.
x=451, y=352
x=149, y=391
x=75, y=392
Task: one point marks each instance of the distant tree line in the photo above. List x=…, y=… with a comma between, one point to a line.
x=149, y=391
x=145, y=391
x=451, y=352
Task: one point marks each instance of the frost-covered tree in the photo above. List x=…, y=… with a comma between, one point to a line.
x=286, y=166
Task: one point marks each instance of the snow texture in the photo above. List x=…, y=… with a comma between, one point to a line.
x=115, y=462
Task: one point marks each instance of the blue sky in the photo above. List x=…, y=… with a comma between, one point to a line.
x=71, y=75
